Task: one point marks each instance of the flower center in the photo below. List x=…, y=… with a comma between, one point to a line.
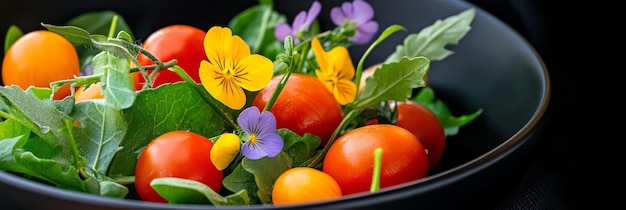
x=252, y=138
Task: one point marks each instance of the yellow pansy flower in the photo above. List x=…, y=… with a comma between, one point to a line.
x=231, y=68
x=336, y=71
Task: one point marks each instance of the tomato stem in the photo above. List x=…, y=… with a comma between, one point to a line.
x=378, y=159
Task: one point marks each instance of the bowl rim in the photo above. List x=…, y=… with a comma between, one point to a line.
x=403, y=190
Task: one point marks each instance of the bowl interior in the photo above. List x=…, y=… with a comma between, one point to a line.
x=493, y=68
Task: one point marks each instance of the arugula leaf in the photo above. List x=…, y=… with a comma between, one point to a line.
x=299, y=148
x=265, y=178
x=240, y=179
x=393, y=81
x=431, y=41
x=451, y=123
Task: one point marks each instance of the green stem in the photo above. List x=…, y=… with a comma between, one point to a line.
x=378, y=159
x=113, y=26
x=124, y=180
x=91, y=79
x=317, y=159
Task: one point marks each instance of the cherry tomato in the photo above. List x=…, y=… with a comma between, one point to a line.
x=39, y=58
x=178, y=153
x=304, y=184
x=425, y=125
x=94, y=91
x=350, y=159
x=181, y=42
x=303, y=106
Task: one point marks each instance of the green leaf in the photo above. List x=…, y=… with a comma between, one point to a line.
x=185, y=191
x=299, y=148
x=101, y=130
x=169, y=107
x=113, y=189
x=266, y=171
x=256, y=26
x=117, y=85
x=432, y=40
x=72, y=33
x=393, y=81
x=42, y=118
x=239, y=180
x=97, y=22
x=451, y=123
x=13, y=33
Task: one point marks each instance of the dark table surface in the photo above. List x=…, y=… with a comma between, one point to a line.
x=551, y=178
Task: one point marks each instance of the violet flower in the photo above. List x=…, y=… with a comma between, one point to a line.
x=360, y=13
x=261, y=139
x=301, y=23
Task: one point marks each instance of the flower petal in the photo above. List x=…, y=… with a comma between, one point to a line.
x=320, y=54
x=269, y=145
x=363, y=12
x=315, y=9
x=225, y=150
x=337, y=16
x=282, y=30
x=248, y=119
x=339, y=58
x=325, y=79
x=344, y=91
x=365, y=32
x=267, y=122
x=254, y=72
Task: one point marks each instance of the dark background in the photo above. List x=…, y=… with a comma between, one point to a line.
x=550, y=178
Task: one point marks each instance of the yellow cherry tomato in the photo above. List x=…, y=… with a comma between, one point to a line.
x=304, y=184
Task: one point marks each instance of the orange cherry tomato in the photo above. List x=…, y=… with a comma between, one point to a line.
x=178, y=153
x=39, y=58
x=303, y=106
x=181, y=42
x=350, y=159
x=94, y=91
x=304, y=184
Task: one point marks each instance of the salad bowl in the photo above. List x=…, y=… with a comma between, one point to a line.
x=492, y=69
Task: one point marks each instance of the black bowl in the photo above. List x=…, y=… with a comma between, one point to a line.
x=493, y=68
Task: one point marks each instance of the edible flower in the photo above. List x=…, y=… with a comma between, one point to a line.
x=231, y=68
x=336, y=71
x=225, y=150
x=359, y=13
x=300, y=24
x=260, y=135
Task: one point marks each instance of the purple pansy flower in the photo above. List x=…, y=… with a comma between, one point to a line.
x=301, y=23
x=360, y=13
x=262, y=139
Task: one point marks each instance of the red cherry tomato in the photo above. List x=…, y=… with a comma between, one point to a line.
x=425, y=125
x=181, y=154
x=181, y=42
x=350, y=159
x=303, y=106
